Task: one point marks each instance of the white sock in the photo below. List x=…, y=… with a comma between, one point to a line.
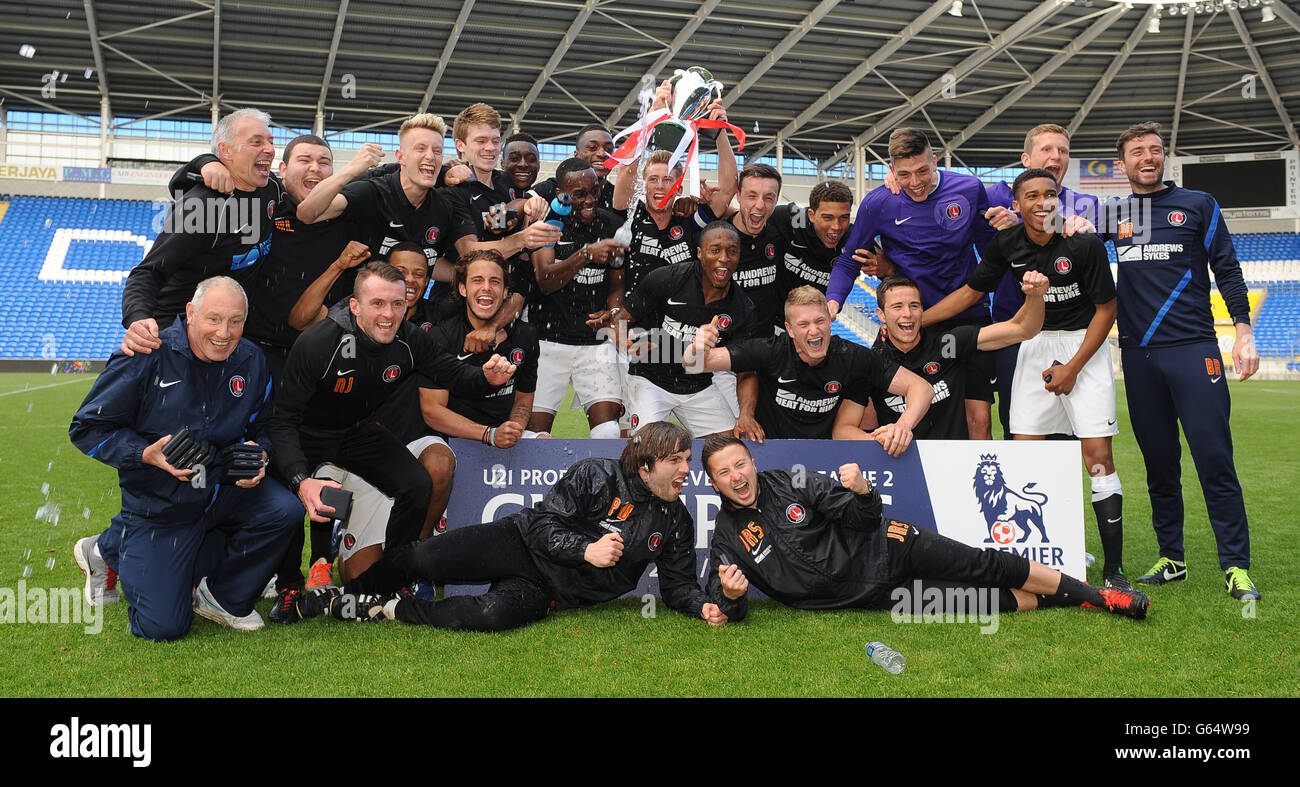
x=1106, y=485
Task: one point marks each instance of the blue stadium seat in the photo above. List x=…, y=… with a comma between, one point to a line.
x=71, y=315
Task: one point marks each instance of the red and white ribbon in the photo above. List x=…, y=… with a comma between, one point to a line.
x=686, y=151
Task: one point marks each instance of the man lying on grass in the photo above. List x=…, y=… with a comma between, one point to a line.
x=588, y=541
x=816, y=545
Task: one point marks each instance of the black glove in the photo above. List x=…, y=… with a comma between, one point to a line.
x=184, y=452
x=241, y=461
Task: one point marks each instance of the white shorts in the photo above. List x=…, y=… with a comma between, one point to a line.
x=368, y=523
x=725, y=382
x=592, y=369
x=1087, y=411
x=703, y=413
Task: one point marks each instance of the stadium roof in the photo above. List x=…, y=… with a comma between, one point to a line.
x=821, y=74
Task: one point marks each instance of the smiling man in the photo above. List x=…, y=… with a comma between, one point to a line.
x=939, y=357
x=804, y=375
x=1173, y=368
x=186, y=527
x=403, y=205
x=670, y=303
x=477, y=134
x=588, y=541
x=930, y=232
x=580, y=289
x=819, y=544
x=330, y=404
x=1063, y=382
x=207, y=233
x=593, y=145
x=814, y=235
x=1047, y=146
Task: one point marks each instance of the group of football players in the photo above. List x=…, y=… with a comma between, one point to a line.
x=404, y=304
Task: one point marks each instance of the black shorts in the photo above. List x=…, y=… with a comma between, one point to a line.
x=981, y=370
x=920, y=559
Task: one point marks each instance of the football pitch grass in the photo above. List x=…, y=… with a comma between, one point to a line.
x=1196, y=642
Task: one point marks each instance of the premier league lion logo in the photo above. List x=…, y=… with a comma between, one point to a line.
x=1005, y=509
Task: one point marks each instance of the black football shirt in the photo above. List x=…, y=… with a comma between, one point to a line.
x=939, y=358
x=1076, y=267
x=670, y=304
x=796, y=400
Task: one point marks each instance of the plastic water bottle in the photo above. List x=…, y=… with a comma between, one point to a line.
x=623, y=236
x=561, y=207
x=887, y=657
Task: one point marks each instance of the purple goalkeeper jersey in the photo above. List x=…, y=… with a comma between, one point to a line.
x=932, y=241
x=1007, y=298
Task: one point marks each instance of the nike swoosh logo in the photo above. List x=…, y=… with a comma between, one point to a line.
x=168, y=385
x=1021, y=265
x=463, y=357
x=783, y=380
x=476, y=196
x=1116, y=519
x=349, y=371
x=1110, y=421
x=672, y=302
x=1214, y=379
x=900, y=221
x=396, y=225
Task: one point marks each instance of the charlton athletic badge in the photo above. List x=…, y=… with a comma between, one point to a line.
x=724, y=321
x=1062, y=264
x=795, y=513
x=270, y=210
x=675, y=233
x=349, y=541
x=931, y=368
x=392, y=373
x=770, y=251
x=1177, y=218
x=236, y=386
x=432, y=235
x=833, y=387
x=953, y=211
x=656, y=541
x=516, y=356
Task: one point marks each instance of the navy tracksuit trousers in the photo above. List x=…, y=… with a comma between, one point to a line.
x=1187, y=384
x=236, y=544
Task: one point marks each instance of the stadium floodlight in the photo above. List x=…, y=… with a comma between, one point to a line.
x=956, y=8
x=1266, y=14
x=1154, y=25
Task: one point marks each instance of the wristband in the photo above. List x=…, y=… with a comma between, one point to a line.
x=296, y=481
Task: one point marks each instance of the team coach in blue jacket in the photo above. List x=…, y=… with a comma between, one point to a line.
x=190, y=539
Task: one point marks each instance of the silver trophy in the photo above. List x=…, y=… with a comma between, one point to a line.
x=694, y=89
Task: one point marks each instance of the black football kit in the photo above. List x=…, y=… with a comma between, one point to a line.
x=798, y=401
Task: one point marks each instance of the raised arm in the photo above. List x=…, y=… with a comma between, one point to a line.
x=311, y=307
x=325, y=201
x=1026, y=323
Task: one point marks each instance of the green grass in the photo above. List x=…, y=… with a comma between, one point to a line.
x=1195, y=643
